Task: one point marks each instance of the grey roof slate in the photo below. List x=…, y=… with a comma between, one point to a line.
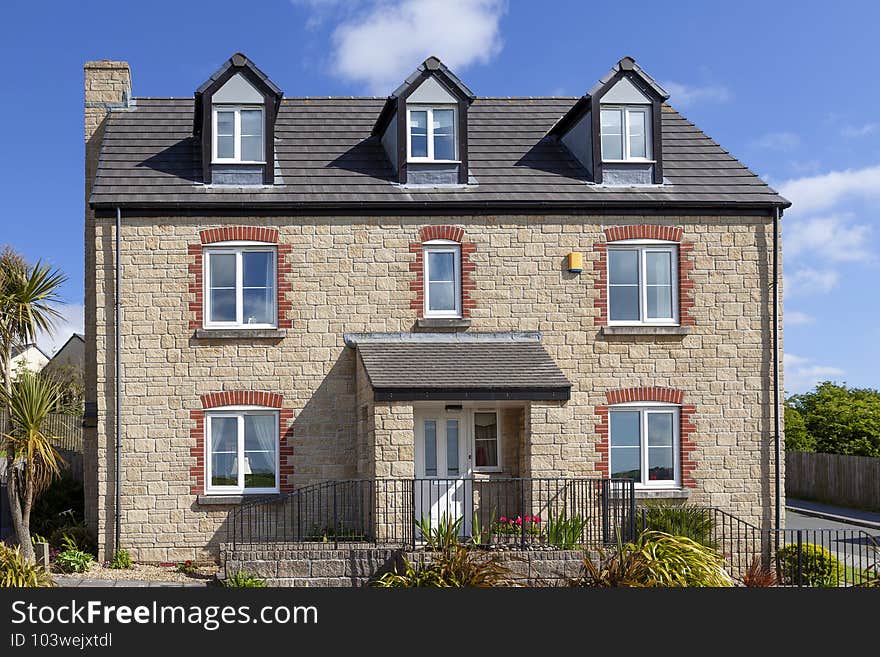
x=327, y=159
x=473, y=365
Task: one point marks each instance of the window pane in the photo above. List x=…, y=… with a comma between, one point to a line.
x=224, y=451
x=222, y=269
x=252, y=123
x=444, y=134
x=223, y=305
x=259, y=306
x=257, y=269
x=612, y=135
x=252, y=149
x=623, y=302
x=225, y=123
x=260, y=440
x=638, y=146
x=225, y=147
x=626, y=463
x=623, y=267
x=659, y=302
x=625, y=429
x=441, y=296
x=418, y=130
x=659, y=268
x=660, y=446
x=441, y=266
x=486, y=440
x=430, y=448
x=452, y=448
x=660, y=429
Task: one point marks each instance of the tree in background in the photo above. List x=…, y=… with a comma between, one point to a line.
x=834, y=419
x=28, y=296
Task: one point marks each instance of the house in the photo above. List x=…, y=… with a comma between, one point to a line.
x=27, y=357
x=427, y=288
x=71, y=354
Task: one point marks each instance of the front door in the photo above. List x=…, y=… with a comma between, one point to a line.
x=442, y=485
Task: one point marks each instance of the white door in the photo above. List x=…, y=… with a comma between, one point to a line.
x=442, y=485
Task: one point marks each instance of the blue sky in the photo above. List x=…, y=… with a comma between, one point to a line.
x=789, y=88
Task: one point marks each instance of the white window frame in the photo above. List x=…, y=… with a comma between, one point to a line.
x=430, y=130
x=236, y=134
x=237, y=248
x=644, y=247
x=441, y=246
x=239, y=412
x=498, y=451
x=645, y=409
x=626, y=110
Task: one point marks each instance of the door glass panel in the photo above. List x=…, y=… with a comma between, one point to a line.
x=430, y=448
x=486, y=440
x=625, y=428
x=452, y=468
x=224, y=451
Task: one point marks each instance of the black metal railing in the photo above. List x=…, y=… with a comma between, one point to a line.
x=522, y=512
x=797, y=557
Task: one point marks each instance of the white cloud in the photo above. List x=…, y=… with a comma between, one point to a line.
x=864, y=130
x=834, y=237
x=778, y=141
x=72, y=321
x=797, y=318
x=687, y=95
x=821, y=192
x=801, y=373
x=379, y=42
x=815, y=281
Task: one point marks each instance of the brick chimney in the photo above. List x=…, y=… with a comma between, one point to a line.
x=107, y=87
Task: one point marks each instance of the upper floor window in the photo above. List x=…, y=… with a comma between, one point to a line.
x=626, y=133
x=242, y=451
x=240, y=290
x=442, y=279
x=431, y=134
x=238, y=134
x=644, y=444
x=643, y=283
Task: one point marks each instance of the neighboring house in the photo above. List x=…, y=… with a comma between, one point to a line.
x=28, y=357
x=71, y=354
x=433, y=285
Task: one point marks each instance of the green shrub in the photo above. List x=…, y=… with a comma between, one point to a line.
x=243, y=580
x=187, y=567
x=564, y=532
x=60, y=506
x=455, y=568
x=121, y=560
x=818, y=567
x=657, y=559
x=72, y=559
x=77, y=531
x=445, y=536
x=693, y=522
x=16, y=571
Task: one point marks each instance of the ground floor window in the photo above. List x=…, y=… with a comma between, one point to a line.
x=242, y=451
x=644, y=444
x=486, y=443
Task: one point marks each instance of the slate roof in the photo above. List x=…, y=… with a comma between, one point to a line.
x=326, y=159
x=505, y=365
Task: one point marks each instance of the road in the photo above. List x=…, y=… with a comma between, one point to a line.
x=851, y=544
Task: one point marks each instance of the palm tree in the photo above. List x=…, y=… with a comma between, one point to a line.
x=28, y=295
x=32, y=460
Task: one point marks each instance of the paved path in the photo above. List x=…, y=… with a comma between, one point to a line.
x=838, y=514
x=75, y=581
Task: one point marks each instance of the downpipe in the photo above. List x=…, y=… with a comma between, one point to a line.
x=776, y=392
x=116, y=413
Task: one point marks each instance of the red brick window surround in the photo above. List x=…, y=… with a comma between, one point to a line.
x=417, y=287
x=650, y=394
x=228, y=398
x=646, y=232
x=260, y=234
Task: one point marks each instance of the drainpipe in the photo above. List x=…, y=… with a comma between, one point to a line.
x=116, y=396
x=776, y=395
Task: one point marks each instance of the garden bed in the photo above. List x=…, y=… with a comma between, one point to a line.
x=145, y=572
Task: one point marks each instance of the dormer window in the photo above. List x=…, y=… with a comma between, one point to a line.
x=626, y=133
x=238, y=135
x=431, y=133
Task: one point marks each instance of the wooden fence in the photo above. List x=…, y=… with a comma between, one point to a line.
x=66, y=428
x=833, y=478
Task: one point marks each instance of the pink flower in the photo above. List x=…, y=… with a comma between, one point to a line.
x=536, y=519
x=518, y=520
x=503, y=519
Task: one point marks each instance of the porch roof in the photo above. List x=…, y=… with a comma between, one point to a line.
x=462, y=370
